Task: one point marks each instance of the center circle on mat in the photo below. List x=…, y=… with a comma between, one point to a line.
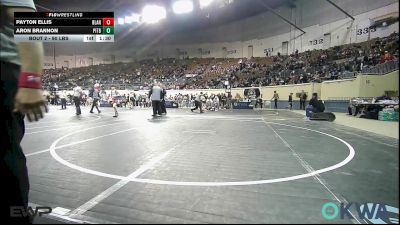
x=183, y=183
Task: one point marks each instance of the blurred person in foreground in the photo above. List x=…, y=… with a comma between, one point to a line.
x=21, y=94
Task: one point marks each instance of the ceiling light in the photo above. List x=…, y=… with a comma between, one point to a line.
x=182, y=6
x=205, y=3
x=121, y=21
x=133, y=18
x=153, y=14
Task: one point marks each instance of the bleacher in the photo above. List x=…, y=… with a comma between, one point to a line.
x=339, y=62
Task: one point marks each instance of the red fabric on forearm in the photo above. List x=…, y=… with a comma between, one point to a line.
x=30, y=80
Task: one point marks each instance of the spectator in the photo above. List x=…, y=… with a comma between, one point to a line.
x=317, y=105
x=386, y=57
x=275, y=97
x=290, y=101
x=303, y=98
x=308, y=66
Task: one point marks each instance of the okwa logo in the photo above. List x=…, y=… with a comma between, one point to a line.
x=376, y=213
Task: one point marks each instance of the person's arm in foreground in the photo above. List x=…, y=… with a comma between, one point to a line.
x=29, y=99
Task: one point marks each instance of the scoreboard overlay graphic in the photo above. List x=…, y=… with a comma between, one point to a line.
x=64, y=26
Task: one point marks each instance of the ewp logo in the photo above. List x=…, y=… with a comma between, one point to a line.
x=374, y=212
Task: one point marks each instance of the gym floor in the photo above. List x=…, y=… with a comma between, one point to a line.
x=230, y=166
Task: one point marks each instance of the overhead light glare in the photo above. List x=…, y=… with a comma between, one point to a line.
x=153, y=14
x=121, y=21
x=133, y=18
x=205, y=3
x=182, y=6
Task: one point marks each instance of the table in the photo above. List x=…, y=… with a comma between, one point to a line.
x=370, y=110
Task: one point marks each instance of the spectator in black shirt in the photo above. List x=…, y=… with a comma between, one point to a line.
x=318, y=105
x=303, y=98
x=290, y=101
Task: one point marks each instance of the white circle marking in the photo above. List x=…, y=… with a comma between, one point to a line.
x=183, y=183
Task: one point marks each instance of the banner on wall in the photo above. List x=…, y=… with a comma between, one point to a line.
x=242, y=105
x=252, y=93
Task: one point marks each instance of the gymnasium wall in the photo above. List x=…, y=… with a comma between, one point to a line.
x=373, y=85
x=285, y=90
x=362, y=86
x=265, y=32
x=306, y=13
x=340, y=89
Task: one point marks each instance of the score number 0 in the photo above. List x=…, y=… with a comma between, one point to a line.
x=108, y=25
x=108, y=21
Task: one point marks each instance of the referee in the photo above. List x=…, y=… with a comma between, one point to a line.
x=77, y=99
x=156, y=93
